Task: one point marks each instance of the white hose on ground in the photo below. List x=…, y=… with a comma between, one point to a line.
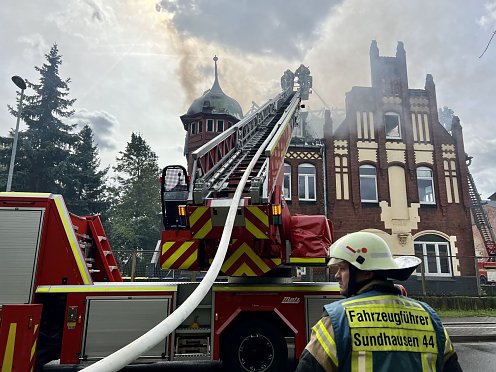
x=121, y=358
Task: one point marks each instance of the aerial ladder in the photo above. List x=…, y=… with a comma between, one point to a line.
x=487, y=266
x=266, y=239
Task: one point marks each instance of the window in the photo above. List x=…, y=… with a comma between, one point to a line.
x=306, y=182
x=435, y=252
x=193, y=128
x=200, y=126
x=220, y=125
x=425, y=185
x=392, y=125
x=287, y=182
x=210, y=125
x=368, y=184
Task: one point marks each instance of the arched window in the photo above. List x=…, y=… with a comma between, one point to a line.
x=368, y=184
x=392, y=125
x=425, y=185
x=435, y=253
x=287, y=182
x=306, y=182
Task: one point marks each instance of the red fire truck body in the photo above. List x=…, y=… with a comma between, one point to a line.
x=63, y=297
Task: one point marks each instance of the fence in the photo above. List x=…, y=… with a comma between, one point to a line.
x=438, y=275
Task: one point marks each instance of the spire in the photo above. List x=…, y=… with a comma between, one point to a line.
x=216, y=87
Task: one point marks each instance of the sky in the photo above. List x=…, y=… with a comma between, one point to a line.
x=136, y=65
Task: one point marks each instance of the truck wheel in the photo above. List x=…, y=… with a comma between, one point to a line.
x=254, y=347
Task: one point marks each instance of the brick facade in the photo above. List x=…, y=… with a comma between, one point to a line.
x=415, y=140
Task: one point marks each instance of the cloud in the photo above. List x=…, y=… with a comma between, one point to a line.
x=103, y=125
x=489, y=20
x=286, y=28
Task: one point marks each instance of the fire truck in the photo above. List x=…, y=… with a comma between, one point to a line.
x=62, y=296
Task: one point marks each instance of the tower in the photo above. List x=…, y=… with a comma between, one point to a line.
x=211, y=114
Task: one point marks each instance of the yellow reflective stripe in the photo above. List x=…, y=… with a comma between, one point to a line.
x=104, y=288
x=197, y=213
x=393, y=339
x=189, y=261
x=257, y=212
x=178, y=253
x=326, y=288
x=244, y=269
x=388, y=316
x=326, y=341
x=200, y=234
x=448, y=346
x=386, y=299
x=33, y=349
x=166, y=246
x=24, y=194
x=255, y=231
x=428, y=362
x=71, y=236
x=297, y=260
x=9, y=349
x=361, y=361
x=245, y=249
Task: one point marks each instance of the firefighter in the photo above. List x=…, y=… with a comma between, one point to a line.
x=376, y=328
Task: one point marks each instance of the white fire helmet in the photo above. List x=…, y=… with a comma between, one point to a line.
x=369, y=252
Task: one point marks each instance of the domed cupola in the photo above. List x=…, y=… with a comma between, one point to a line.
x=208, y=116
x=215, y=101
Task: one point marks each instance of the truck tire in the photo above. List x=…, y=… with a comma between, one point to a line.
x=254, y=346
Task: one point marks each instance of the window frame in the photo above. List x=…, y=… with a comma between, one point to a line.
x=192, y=127
x=210, y=125
x=220, y=126
x=437, y=256
x=431, y=178
x=395, y=114
x=368, y=176
x=200, y=127
x=306, y=177
x=288, y=176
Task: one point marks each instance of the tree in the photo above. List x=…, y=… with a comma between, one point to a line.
x=445, y=117
x=135, y=215
x=87, y=193
x=44, y=148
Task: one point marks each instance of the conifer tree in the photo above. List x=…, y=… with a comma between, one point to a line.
x=86, y=194
x=135, y=215
x=44, y=148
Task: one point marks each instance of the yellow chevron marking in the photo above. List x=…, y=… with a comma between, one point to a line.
x=71, y=236
x=197, y=213
x=189, y=261
x=200, y=234
x=245, y=249
x=166, y=246
x=35, y=328
x=307, y=260
x=244, y=269
x=257, y=212
x=9, y=350
x=255, y=231
x=178, y=253
x=277, y=261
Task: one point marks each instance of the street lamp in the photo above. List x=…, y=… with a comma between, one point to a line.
x=21, y=84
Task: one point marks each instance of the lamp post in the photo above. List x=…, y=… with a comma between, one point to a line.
x=21, y=84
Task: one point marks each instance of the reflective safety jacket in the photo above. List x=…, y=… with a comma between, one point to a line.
x=378, y=331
